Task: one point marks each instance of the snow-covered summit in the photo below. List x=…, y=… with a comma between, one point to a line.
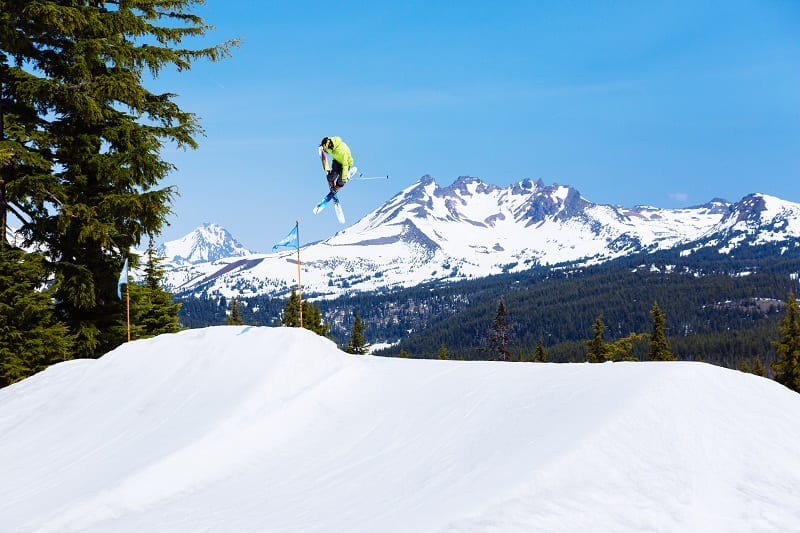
x=243, y=429
x=471, y=229
x=207, y=243
x=755, y=212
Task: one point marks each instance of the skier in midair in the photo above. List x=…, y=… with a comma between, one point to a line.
x=341, y=169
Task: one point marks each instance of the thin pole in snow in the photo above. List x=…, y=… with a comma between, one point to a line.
x=299, y=284
x=128, y=308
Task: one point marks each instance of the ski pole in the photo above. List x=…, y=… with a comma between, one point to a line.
x=361, y=177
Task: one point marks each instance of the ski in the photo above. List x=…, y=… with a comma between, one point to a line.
x=320, y=206
x=332, y=196
x=337, y=207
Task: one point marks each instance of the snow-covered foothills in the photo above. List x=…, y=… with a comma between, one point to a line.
x=243, y=429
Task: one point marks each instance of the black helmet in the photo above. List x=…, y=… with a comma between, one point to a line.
x=324, y=142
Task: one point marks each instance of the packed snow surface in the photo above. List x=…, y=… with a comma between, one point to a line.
x=243, y=429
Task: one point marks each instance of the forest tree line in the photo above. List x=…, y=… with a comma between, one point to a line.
x=714, y=313
x=497, y=344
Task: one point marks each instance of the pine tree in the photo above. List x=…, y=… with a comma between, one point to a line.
x=312, y=319
x=357, y=344
x=659, y=346
x=291, y=313
x=153, y=310
x=787, y=348
x=500, y=336
x=312, y=316
x=86, y=137
x=758, y=367
x=443, y=355
x=622, y=349
x=596, y=346
x=31, y=336
x=540, y=356
x=235, y=316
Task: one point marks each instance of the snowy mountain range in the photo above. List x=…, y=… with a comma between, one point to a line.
x=472, y=229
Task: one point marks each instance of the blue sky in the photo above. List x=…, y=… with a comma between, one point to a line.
x=665, y=103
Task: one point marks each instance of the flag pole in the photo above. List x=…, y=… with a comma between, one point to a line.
x=123, y=280
x=299, y=285
x=128, y=306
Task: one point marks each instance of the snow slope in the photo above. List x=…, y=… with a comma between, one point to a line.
x=240, y=429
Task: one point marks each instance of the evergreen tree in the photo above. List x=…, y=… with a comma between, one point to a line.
x=758, y=367
x=755, y=367
x=622, y=349
x=443, y=355
x=291, y=313
x=357, y=344
x=153, y=310
x=312, y=319
x=540, y=356
x=659, y=347
x=235, y=316
x=31, y=336
x=312, y=316
x=597, y=347
x=500, y=336
x=86, y=137
x=787, y=348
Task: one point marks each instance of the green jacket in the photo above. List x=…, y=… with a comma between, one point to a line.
x=341, y=153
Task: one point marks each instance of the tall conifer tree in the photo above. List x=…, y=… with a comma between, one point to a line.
x=86, y=137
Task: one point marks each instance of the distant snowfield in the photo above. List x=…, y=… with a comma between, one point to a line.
x=243, y=429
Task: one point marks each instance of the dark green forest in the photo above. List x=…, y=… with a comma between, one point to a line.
x=722, y=309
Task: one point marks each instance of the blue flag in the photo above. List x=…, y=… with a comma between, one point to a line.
x=123, y=279
x=289, y=241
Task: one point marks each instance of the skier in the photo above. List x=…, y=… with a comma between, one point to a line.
x=342, y=167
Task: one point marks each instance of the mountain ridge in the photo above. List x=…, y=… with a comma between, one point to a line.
x=471, y=229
